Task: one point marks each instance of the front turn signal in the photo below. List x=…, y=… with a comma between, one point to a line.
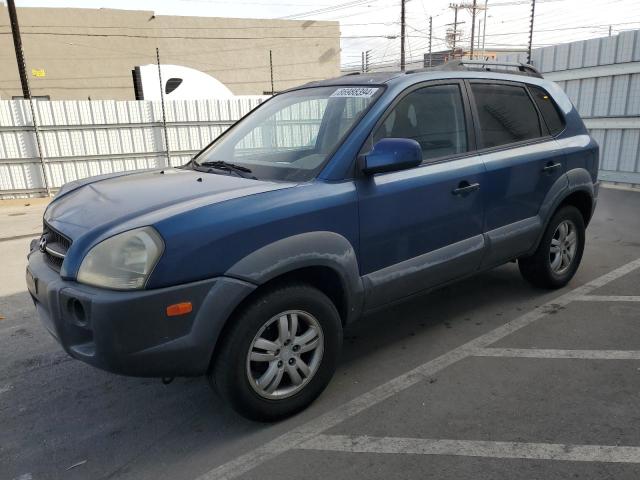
x=178, y=309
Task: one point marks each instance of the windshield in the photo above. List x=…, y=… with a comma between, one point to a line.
x=293, y=134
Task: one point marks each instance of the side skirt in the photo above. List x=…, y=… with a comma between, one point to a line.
x=423, y=272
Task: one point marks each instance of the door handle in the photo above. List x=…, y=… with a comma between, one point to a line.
x=466, y=187
x=549, y=167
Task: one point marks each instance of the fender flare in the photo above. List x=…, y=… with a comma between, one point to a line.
x=575, y=180
x=310, y=249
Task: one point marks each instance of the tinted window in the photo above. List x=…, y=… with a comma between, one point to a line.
x=433, y=116
x=506, y=114
x=549, y=109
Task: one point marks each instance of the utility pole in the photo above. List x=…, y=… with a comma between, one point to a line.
x=26, y=91
x=473, y=27
x=533, y=12
x=402, y=35
x=430, y=36
x=455, y=28
x=609, y=30
x=484, y=28
x=362, y=63
x=273, y=92
x=17, y=43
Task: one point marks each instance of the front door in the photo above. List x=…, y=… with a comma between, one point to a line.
x=422, y=226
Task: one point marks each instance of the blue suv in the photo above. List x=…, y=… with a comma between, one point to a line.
x=326, y=202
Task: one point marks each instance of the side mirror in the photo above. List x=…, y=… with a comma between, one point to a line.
x=391, y=154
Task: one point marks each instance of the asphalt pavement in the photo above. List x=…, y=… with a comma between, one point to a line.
x=21, y=218
x=489, y=378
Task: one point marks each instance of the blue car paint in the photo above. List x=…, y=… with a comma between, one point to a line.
x=387, y=236
x=245, y=225
x=422, y=221
x=104, y=208
x=515, y=187
x=403, y=152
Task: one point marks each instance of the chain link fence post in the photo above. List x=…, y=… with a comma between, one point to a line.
x=164, y=114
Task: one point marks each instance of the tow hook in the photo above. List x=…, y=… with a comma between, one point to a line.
x=167, y=380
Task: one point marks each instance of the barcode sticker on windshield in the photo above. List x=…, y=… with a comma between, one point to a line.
x=362, y=92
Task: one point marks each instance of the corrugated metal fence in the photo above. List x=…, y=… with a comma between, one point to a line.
x=602, y=78
x=85, y=138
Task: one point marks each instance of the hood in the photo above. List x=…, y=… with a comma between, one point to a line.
x=120, y=199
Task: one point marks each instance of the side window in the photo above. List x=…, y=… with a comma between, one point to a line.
x=549, y=110
x=506, y=114
x=432, y=116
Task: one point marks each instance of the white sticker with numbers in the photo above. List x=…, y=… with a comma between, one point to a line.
x=359, y=92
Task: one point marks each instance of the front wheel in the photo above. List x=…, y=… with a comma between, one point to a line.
x=279, y=353
x=558, y=256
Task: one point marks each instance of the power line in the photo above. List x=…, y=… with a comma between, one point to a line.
x=382, y=45
x=269, y=4
x=563, y=29
x=265, y=27
x=331, y=9
x=183, y=37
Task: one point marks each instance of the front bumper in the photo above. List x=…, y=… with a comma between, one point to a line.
x=129, y=332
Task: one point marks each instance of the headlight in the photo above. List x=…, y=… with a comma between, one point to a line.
x=124, y=261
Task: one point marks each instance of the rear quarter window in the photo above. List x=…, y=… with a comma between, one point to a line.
x=549, y=110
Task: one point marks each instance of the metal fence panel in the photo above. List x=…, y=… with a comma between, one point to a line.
x=601, y=76
x=85, y=138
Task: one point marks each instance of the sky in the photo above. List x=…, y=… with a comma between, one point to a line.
x=375, y=24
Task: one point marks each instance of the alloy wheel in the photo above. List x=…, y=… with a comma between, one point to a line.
x=285, y=354
x=563, y=247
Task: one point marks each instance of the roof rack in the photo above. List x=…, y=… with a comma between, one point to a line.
x=488, y=66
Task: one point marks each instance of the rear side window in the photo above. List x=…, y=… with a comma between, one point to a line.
x=506, y=114
x=433, y=116
x=549, y=109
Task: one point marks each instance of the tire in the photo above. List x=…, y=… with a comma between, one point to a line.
x=544, y=268
x=254, y=331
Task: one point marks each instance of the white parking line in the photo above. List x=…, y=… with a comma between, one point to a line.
x=473, y=448
x=608, y=298
x=305, y=432
x=557, y=353
x=24, y=476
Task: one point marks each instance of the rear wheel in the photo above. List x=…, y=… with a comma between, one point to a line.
x=558, y=256
x=279, y=354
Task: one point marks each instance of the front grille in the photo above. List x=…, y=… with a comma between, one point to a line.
x=54, y=245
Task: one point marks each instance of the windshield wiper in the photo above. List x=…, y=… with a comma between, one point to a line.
x=229, y=167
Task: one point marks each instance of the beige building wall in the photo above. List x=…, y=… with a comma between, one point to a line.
x=90, y=53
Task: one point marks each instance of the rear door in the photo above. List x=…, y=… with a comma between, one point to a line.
x=523, y=162
x=422, y=226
